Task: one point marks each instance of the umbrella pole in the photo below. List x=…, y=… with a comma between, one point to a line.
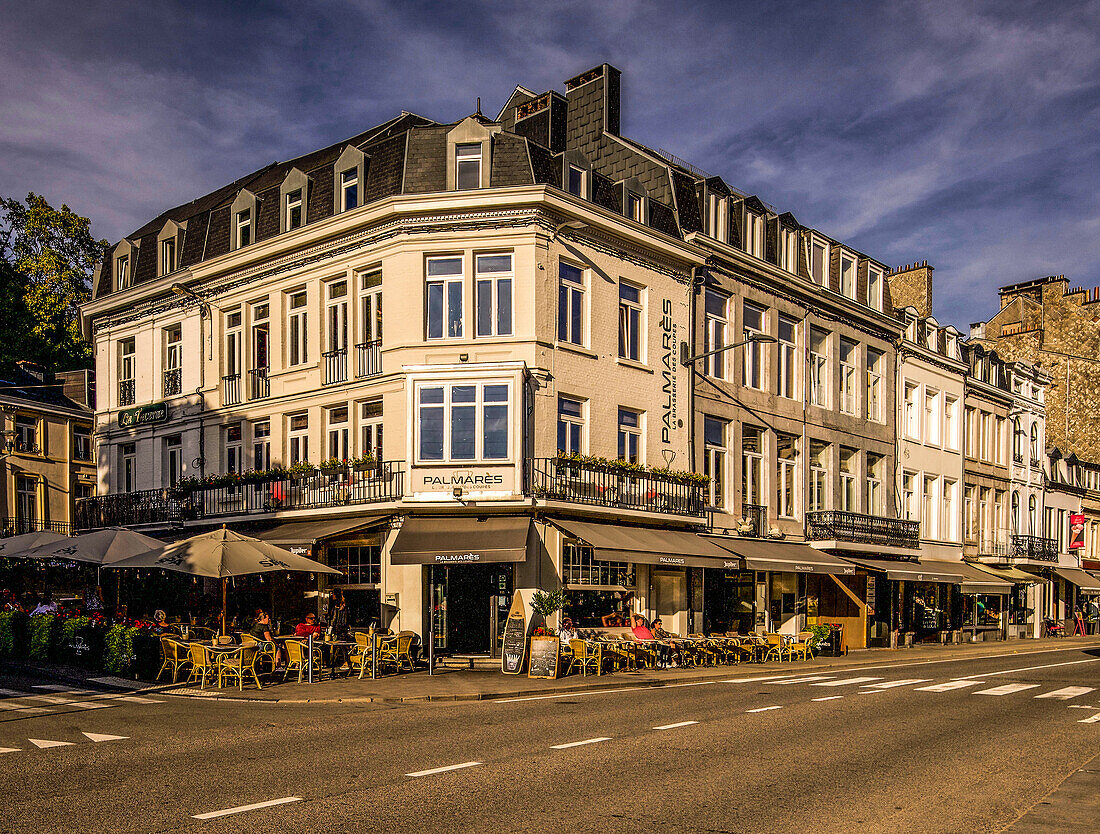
x=224, y=631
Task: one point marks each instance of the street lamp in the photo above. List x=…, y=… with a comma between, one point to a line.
x=187, y=292
x=754, y=338
x=576, y=225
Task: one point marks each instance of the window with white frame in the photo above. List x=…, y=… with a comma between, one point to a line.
x=26, y=506
x=336, y=318
x=127, y=458
x=172, y=460
x=261, y=445
x=909, y=495
x=819, y=364
x=26, y=434
x=463, y=421
x=718, y=224
x=714, y=460
x=293, y=210
x=339, y=429
x=370, y=429
x=754, y=234
x=444, y=299
x=630, y=321
x=570, y=425
x=349, y=189
x=874, y=384
x=297, y=329
x=1036, y=447
x=493, y=291
x=1032, y=516
x=298, y=438
x=232, y=447
x=849, y=352
x=819, y=475
x=849, y=500
x=635, y=207
x=929, y=516
x=874, y=288
x=951, y=422
x=788, y=362
x=847, y=275
x=630, y=446
x=716, y=306
x=947, y=517
x=82, y=443
x=786, y=475
x=988, y=437
x=970, y=514
x=127, y=368
x=173, y=361
x=876, y=495
x=752, y=465
x=232, y=356
x=244, y=228
x=167, y=255
x=752, y=321
x=911, y=406
x=261, y=337
x=819, y=261
x=122, y=272
x=575, y=181
x=788, y=242
x=570, y=303
x=933, y=422
x=468, y=166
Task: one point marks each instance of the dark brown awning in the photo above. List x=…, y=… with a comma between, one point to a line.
x=783, y=556
x=1084, y=580
x=300, y=536
x=971, y=580
x=429, y=540
x=648, y=546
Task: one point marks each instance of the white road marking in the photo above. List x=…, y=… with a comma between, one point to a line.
x=241, y=808
x=829, y=698
x=762, y=709
x=17, y=707
x=9, y=749
x=42, y=743
x=132, y=699
x=945, y=687
x=806, y=680
x=443, y=769
x=97, y=737
x=755, y=680
x=845, y=681
x=53, y=687
x=580, y=743
x=892, y=684
x=47, y=699
x=1066, y=693
x=1083, y=706
x=10, y=692
x=1008, y=689
x=677, y=724
x=1092, y=719
x=597, y=692
x=1032, y=668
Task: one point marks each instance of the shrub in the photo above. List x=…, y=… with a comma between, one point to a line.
x=43, y=636
x=13, y=634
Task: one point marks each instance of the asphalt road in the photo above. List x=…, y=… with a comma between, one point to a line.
x=869, y=749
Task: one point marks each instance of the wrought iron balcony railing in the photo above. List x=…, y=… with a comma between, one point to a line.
x=231, y=389
x=336, y=366
x=562, y=479
x=754, y=521
x=126, y=392
x=1036, y=548
x=27, y=446
x=122, y=509
x=18, y=526
x=173, y=382
x=259, y=386
x=858, y=528
x=369, y=358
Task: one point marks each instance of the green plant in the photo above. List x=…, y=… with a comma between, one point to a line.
x=821, y=633
x=42, y=630
x=13, y=634
x=548, y=603
x=334, y=463
x=366, y=459
x=118, y=650
x=302, y=467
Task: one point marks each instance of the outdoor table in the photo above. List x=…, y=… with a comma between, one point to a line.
x=331, y=647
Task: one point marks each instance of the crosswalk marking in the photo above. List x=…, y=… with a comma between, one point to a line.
x=829, y=698
x=9, y=749
x=1093, y=719
x=945, y=687
x=762, y=709
x=805, y=680
x=17, y=707
x=1066, y=693
x=845, y=681
x=43, y=743
x=97, y=737
x=1008, y=689
x=133, y=699
x=892, y=684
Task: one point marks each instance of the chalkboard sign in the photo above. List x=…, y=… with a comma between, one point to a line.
x=545, y=654
x=514, y=648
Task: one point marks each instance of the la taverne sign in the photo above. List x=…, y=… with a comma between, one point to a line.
x=143, y=415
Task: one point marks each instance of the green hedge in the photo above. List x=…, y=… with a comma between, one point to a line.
x=122, y=650
x=13, y=634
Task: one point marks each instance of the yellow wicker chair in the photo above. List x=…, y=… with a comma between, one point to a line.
x=203, y=664
x=801, y=648
x=238, y=663
x=775, y=647
x=360, y=657
x=175, y=656
x=298, y=652
x=587, y=655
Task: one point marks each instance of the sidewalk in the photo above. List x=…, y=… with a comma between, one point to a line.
x=491, y=684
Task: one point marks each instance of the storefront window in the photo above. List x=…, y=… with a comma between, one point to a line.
x=361, y=564
x=588, y=608
x=982, y=611
x=580, y=567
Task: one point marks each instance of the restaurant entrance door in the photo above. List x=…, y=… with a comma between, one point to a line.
x=473, y=594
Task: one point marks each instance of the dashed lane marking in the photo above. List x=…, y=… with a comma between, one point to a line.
x=446, y=769
x=1008, y=689
x=1032, y=668
x=805, y=680
x=566, y=746
x=892, y=684
x=845, y=681
x=763, y=709
x=242, y=808
x=1084, y=706
x=43, y=743
x=98, y=737
x=1092, y=719
x=1066, y=693
x=10, y=749
x=829, y=698
x=946, y=687
x=23, y=708
x=677, y=724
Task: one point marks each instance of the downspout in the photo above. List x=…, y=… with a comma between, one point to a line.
x=698, y=276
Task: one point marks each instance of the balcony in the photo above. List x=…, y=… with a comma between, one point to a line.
x=754, y=521
x=562, y=479
x=173, y=382
x=259, y=386
x=237, y=495
x=369, y=356
x=336, y=366
x=18, y=526
x=1034, y=548
x=126, y=391
x=26, y=445
x=857, y=528
x=231, y=389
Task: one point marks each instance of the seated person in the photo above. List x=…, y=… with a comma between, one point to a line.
x=308, y=627
x=616, y=619
x=567, y=632
x=660, y=634
x=261, y=630
x=643, y=633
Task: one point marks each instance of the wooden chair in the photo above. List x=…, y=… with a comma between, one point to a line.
x=298, y=653
x=175, y=656
x=588, y=656
x=203, y=664
x=238, y=663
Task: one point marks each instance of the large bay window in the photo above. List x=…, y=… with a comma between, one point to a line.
x=463, y=421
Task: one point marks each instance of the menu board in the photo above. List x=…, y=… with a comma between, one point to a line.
x=514, y=646
x=545, y=654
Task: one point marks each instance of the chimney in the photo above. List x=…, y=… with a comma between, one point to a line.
x=33, y=369
x=593, y=98
x=78, y=386
x=911, y=286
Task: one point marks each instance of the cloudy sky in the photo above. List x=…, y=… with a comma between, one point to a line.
x=967, y=134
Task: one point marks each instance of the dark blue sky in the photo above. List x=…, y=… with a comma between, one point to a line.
x=961, y=133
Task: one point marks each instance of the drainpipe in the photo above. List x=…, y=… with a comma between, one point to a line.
x=698, y=275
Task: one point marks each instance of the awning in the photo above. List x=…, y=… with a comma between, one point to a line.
x=299, y=537
x=784, y=556
x=1084, y=580
x=648, y=546
x=1010, y=574
x=430, y=540
x=971, y=580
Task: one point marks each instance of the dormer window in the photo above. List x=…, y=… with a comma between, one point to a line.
x=754, y=234
x=819, y=261
x=122, y=272
x=293, y=210
x=468, y=166
x=931, y=337
x=575, y=181
x=349, y=189
x=847, y=275
x=789, y=254
x=717, y=218
x=244, y=228
x=634, y=206
x=874, y=288
x=167, y=256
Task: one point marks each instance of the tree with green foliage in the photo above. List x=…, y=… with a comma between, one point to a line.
x=46, y=261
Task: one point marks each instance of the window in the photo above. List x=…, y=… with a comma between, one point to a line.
x=570, y=303
x=232, y=358
x=244, y=228
x=349, y=189
x=874, y=288
x=233, y=460
x=933, y=423
x=874, y=384
x=1016, y=528
x=122, y=272
x=951, y=422
x=126, y=370
x=788, y=328
x=987, y=437
x=754, y=234
x=909, y=495
x=786, y=475
x=173, y=360
x=261, y=343
x=753, y=323
x=911, y=405
x=261, y=445
x=360, y=564
x=634, y=207
x=848, y=462
x=929, y=521
x=575, y=181
x=848, y=359
x=819, y=376
x=819, y=475
x=847, y=275
x=444, y=298
x=1032, y=516
x=26, y=508
x=630, y=322
x=580, y=567
x=468, y=166
x=970, y=424
x=717, y=219
x=298, y=329
x=970, y=514
x=819, y=262
x=715, y=304
x=293, y=209
x=370, y=428
x=876, y=496
x=570, y=426
x=298, y=438
x=948, y=530
x=493, y=288
x=338, y=431
x=82, y=443
x=752, y=465
x=127, y=454
x=167, y=256
x=931, y=336
x=714, y=460
x=461, y=422
x=336, y=333
x=173, y=460
x=789, y=246
x=630, y=436
x=26, y=434
x=1036, y=449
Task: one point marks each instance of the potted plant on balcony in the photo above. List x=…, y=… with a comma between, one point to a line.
x=364, y=463
x=334, y=466
x=300, y=471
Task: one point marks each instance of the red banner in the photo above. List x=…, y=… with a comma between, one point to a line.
x=1076, y=531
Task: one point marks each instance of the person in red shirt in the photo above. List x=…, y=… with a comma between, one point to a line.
x=643, y=633
x=308, y=627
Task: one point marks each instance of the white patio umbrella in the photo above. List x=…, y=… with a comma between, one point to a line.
x=101, y=547
x=221, y=554
x=19, y=545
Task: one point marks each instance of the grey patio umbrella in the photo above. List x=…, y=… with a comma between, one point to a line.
x=19, y=545
x=101, y=547
x=221, y=554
